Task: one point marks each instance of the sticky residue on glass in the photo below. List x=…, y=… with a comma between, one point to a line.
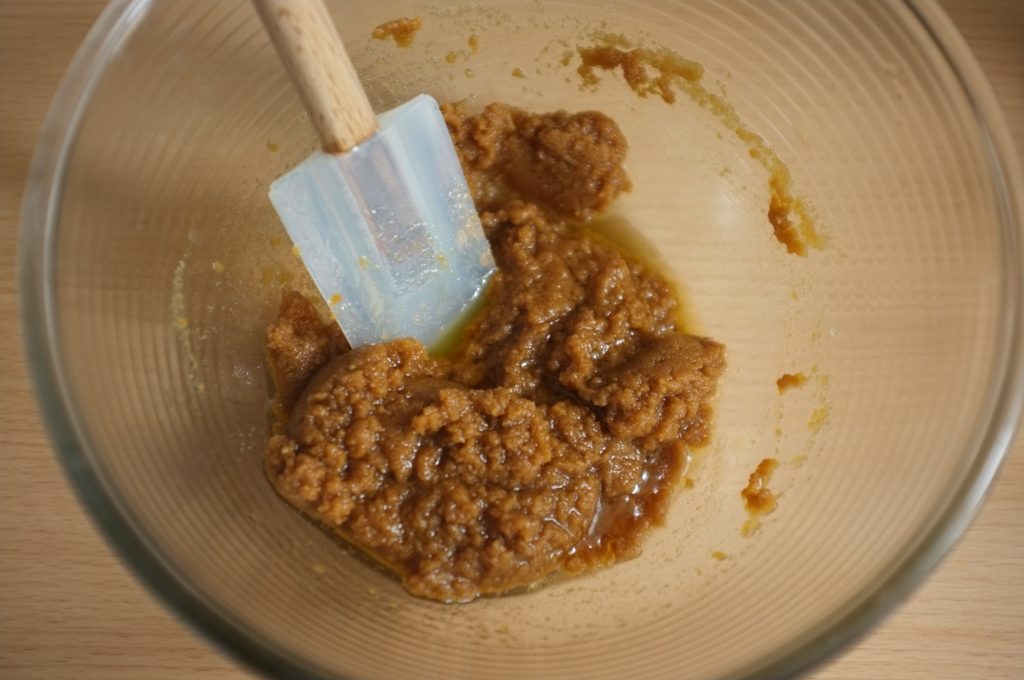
x=402, y=31
x=758, y=499
x=788, y=381
x=661, y=72
x=180, y=324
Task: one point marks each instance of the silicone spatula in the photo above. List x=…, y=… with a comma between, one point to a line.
x=382, y=217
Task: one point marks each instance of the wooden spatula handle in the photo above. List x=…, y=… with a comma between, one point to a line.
x=312, y=52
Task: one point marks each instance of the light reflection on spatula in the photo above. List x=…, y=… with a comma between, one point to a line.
x=382, y=218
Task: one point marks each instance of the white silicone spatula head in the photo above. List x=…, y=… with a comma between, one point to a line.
x=384, y=221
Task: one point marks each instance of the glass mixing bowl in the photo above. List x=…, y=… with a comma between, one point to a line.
x=152, y=262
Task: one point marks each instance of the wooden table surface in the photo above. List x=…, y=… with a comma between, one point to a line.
x=70, y=609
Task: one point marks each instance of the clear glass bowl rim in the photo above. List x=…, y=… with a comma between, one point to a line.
x=37, y=231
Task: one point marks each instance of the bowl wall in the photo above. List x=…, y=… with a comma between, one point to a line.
x=163, y=262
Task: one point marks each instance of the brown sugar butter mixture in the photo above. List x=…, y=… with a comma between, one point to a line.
x=550, y=439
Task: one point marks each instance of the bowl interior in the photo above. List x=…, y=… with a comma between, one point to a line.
x=167, y=264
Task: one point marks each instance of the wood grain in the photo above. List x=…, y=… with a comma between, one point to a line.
x=319, y=67
x=69, y=609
